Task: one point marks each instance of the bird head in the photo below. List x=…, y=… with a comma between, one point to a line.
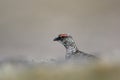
x=65, y=39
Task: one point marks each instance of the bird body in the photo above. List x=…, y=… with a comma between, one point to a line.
x=72, y=52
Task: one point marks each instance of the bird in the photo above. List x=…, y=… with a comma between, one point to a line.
x=72, y=52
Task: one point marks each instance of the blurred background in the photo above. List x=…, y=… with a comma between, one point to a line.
x=27, y=27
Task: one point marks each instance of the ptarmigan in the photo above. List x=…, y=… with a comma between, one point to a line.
x=72, y=52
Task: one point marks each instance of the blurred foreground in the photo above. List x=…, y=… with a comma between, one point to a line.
x=97, y=71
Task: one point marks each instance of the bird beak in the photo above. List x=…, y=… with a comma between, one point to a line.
x=56, y=39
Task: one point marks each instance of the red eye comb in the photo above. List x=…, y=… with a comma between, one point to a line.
x=63, y=35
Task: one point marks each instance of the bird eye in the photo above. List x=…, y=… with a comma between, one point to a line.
x=62, y=36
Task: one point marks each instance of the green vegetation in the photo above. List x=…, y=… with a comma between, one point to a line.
x=66, y=72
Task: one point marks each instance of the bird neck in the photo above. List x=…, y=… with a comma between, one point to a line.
x=70, y=51
x=71, y=48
